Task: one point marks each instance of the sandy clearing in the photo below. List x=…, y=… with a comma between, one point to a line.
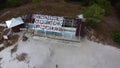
x=46, y=53
x=86, y=54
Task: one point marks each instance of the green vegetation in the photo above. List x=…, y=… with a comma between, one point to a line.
x=94, y=14
x=105, y=4
x=96, y=11
x=116, y=36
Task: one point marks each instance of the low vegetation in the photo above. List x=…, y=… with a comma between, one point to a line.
x=116, y=36
x=94, y=14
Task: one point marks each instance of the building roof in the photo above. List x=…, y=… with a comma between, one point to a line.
x=14, y=22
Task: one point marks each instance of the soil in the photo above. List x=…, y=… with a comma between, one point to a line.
x=14, y=49
x=0, y=62
x=49, y=8
x=13, y=39
x=2, y=48
x=21, y=57
x=103, y=32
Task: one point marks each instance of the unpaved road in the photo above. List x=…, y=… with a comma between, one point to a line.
x=47, y=53
x=86, y=54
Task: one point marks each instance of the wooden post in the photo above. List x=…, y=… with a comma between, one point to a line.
x=72, y=27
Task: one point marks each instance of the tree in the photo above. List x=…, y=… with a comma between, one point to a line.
x=94, y=14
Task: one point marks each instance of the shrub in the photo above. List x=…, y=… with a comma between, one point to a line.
x=94, y=14
x=116, y=36
x=106, y=4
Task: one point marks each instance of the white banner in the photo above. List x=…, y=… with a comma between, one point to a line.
x=47, y=22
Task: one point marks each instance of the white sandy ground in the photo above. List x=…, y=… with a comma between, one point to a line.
x=46, y=53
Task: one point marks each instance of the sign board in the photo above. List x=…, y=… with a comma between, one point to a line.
x=48, y=23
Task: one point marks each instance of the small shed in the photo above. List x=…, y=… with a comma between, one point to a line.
x=15, y=23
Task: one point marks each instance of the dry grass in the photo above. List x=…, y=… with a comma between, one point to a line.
x=44, y=7
x=7, y=43
x=12, y=40
x=102, y=34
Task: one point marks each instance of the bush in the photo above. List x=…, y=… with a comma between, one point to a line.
x=116, y=36
x=94, y=14
x=106, y=4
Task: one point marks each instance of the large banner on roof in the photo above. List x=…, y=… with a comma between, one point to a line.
x=48, y=23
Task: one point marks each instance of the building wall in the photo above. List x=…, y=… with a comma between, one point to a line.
x=68, y=29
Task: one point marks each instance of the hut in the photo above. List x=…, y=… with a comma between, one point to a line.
x=15, y=24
